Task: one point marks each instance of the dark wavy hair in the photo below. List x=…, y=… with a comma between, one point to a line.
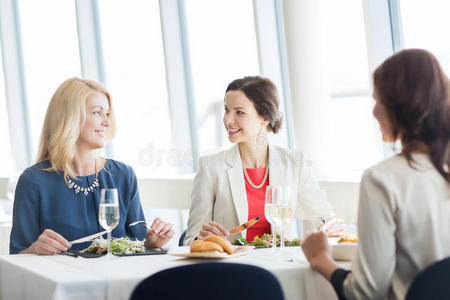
x=264, y=95
x=415, y=92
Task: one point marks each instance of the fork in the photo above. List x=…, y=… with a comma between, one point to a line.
x=141, y=223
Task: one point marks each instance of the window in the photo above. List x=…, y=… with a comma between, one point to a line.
x=135, y=75
x=50, y=49
x=353, y=139
x=425, y=25
x=223, y=47
x=6, y=160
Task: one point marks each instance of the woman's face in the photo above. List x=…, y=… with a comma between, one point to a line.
x=241, y=120
x=93, y=131
x=379, y=112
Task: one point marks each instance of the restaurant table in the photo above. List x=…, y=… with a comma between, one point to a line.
x=29, y=276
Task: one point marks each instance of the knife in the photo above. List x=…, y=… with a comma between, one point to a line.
x=88, y=238
x=244, y=226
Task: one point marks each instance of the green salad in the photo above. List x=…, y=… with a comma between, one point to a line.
x=118, y=246
x=265, y=241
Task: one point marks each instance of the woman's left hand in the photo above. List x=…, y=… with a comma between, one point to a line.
x=159, y=235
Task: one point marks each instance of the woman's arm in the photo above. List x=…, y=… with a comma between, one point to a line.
x=202, y=197
x=374, y=264
x=161, y=231
x=26, y=236
x=312, y=201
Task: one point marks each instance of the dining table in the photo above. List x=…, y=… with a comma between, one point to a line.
x=29, y=276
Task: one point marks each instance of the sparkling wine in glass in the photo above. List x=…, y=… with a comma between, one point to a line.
x=286, y=207
x=273, y=193
x=109, y=214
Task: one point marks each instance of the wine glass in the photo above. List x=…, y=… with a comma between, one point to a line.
x=273, y=193
x=109, y=213
x=287, y=205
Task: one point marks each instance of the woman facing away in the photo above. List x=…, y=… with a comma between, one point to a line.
x=57, y=199
x=404, y=204
x=230, y=186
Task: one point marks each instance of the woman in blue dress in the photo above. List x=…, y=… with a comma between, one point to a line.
x=57, y=199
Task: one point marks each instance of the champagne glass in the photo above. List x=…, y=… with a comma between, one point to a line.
x=273, y=193
x=109, y=213
x=287, y=205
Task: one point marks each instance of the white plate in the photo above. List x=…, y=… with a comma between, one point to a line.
x=343, y=251
x=238, y=251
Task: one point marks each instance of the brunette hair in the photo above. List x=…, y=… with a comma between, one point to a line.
x=264, y=95
x=415, y=92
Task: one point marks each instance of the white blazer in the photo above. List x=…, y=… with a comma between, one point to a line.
x=403, y=226
x=219, y=189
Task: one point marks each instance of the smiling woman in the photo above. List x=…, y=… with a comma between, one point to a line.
x=58, y=198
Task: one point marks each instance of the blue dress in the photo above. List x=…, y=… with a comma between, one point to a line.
x=44, y=201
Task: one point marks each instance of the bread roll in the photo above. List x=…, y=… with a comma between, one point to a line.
x=226, y=245
x=205, y=246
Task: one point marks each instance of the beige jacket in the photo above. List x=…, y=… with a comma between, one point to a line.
x=219, y=189
x=403, y=226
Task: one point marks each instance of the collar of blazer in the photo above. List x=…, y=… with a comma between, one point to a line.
x=236, y=177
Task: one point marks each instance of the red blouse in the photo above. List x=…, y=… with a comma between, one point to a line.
x=255, y=200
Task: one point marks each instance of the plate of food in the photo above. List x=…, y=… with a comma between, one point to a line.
x=266, y=241
x=214, y=247
x=345, y=248
x=119, y=246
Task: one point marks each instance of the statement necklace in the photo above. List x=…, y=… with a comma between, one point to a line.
x=262, y=182
x=85, y=190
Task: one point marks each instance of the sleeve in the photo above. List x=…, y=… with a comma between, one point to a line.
x=26, y=214
x=337, y=281
x=312, y=201
x=374, y=264
x=135, y=212
x=202, y=202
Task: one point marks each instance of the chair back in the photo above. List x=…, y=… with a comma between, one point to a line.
x=206, y=281
x=432, y=283
x=182, y=237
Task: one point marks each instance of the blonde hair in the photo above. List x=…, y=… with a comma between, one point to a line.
x=64, y=119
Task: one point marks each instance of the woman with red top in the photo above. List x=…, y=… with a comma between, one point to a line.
x=230, y=186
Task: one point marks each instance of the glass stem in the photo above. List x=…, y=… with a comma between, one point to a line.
x=281, y=236
x=109, y=243
x=274, y=236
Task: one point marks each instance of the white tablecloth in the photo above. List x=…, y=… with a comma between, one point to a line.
x=64, y=277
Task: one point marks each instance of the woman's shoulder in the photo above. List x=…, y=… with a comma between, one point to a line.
x=289, y=156
x=227, y=155
x=398, y=169
x=118, y=167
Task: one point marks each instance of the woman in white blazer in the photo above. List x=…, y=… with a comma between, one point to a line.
x=404, y=204
x=223, y=193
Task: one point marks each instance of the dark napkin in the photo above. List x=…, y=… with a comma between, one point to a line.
x=76, y=253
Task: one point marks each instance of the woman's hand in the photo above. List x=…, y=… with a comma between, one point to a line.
x=48, y=243
x=318, y=253
x=212, y=228
x=159, y=234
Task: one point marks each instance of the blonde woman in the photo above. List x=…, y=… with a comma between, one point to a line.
x=57, y=199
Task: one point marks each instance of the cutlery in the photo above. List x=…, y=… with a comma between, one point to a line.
x=141, y=223
x=244, y=226
x=69, y=254
x=88, y=238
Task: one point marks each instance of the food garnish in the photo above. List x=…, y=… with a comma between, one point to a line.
x=122, y=245
x=349, y=238
x=265, y=241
